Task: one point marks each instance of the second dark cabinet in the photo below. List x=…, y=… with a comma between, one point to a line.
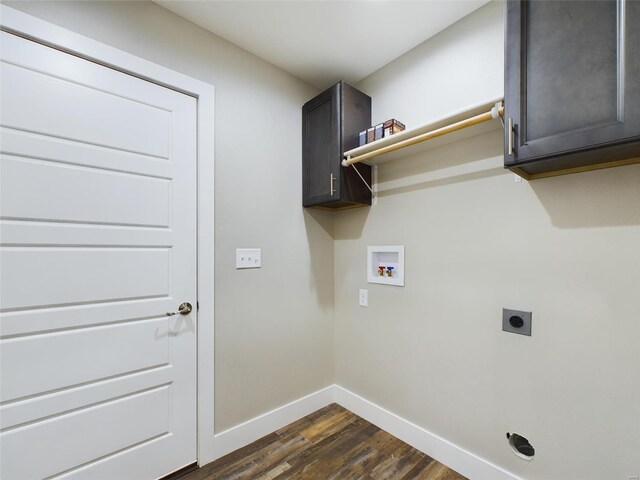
x=572, y=86
x=330, y=126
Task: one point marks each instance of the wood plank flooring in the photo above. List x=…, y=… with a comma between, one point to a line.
x=329, y=444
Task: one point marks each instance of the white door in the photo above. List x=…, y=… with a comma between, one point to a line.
x=98, y=242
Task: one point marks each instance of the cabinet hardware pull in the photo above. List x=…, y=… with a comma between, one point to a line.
x=331, y=179
x=510, y=127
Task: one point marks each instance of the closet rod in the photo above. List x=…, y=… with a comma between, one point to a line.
x=467, y=122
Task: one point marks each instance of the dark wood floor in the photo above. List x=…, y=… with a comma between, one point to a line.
x=332, y=443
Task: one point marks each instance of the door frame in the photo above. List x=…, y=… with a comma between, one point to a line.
x=35, y=29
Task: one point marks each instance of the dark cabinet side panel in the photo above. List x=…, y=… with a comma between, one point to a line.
x=356, y=116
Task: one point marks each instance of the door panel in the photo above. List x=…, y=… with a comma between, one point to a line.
x=144, y=344
x=64, y=439
x=66, y=400
x=97, y=242
x=142, y=200
x=39, y=277
x=34, y=145
x=29, y=106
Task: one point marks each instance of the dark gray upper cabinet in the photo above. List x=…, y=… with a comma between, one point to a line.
x=572, y=85
x=330, y=126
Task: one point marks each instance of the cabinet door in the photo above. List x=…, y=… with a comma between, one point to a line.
x=321, y=148
x=572, y=70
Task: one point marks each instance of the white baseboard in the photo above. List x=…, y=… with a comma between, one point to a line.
x=453, y=456
x=251, y=430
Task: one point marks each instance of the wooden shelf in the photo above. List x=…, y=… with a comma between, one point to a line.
x=444, y=131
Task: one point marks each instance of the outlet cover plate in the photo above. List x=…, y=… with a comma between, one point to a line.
x=525, y=329
x=363, y=297
x=248, y=258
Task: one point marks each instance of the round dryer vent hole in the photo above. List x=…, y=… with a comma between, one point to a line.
x=521, y=446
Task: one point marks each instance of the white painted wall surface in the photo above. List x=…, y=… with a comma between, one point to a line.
x=273, y=326
x=567, y=248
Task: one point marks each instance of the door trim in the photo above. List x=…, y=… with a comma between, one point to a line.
x=48, y=34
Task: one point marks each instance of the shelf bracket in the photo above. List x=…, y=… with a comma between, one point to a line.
x=345, y=164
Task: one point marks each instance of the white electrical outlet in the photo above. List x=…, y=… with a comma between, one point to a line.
x=363, y=297
x=248, y=258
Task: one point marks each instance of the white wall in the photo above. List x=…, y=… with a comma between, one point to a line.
x=566, y=248
x=274, y=326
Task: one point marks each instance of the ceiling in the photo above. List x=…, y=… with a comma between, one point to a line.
x=322, y=42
